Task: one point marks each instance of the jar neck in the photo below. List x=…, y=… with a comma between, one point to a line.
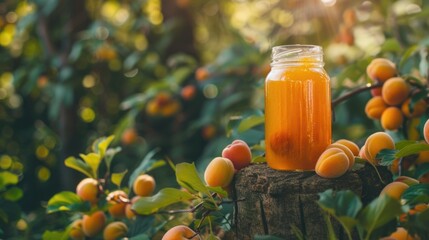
x=297, y=55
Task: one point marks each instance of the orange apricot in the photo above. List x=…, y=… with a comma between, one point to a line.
x=76, y=232
x=219, y=172
x=351, y=145
x=115, y=230
x=346, y=150
x=395, y=189
x=401, y=234
x=375, y=143
x=144, y=185
x=375, y=107
x=407, y=180
x=376, y=91
x=201, y=74
x=381, y=69
x=208, y=131
x=392, y=118
x=395, y=91
x=180, y=232
x=129, y=136
x=170, y=108
x=239, y=153
x=88, y=190
x=94, y=223
x=417, y=110
x=332, y=163
x=117, y=202
x=128, y=210
x=188, y=92
x=362, y=152
x=426, y=131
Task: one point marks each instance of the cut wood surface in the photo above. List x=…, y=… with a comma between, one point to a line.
x=270, y=202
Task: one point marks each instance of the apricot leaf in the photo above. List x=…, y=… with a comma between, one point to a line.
x=67, y=201
x=93, y=160
x=378, y=213
x=164, y=198
x=103, y=145
x=187, y=177
x=60, y=235
x=386, y=156
x=412, y=149
x=117, y=178
x=250, y=122
x=13, y=194
x=79, y=165
x=418, y=193
x=110, y=153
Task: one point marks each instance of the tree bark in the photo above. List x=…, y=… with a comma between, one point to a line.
x=270, y=202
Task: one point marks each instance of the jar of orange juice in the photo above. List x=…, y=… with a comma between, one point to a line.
x=297, y=108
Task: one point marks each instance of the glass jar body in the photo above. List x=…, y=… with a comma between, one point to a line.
x=297, y=108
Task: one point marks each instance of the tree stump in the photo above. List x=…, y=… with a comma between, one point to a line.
x=270, y=202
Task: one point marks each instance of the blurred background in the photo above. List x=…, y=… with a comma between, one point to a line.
x=176, y=75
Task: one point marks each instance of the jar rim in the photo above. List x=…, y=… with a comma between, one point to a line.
x=295, y=53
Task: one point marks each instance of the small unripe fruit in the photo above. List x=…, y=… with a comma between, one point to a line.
x=181, y=232
x=239, y=153
x=332, y=163
x=93, y=224
x=219, y=172
x=115, y=230
x=144, y=185
x=87, y=190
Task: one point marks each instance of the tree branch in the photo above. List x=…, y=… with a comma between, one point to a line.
x=350, y=94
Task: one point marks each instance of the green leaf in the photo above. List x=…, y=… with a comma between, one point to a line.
x=266, y=237
x=117, y=178
x=412, y=149
x=93, y=160
x=110, y=154
x=259, y=159
x=250, y=122
x=387, y=156
x=418, y=193
x=401, y=144
x=343, y=205
x=164, y=198
x=378, y=213
x=147, y=164
x=13, y=194
x=391, y=45
x=104, y=144
x=408, y=53
x=79, y=165
x=55, y=235
x=187, y=177
x=421, y=170
x=3, y=216
x=8, y=178
x=67, y=201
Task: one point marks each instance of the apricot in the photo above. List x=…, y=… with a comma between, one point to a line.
x=401, y=234
x=422, y=157
x=208, y=131
x=392, y=118
x=129, y=136
x=180, y=232
x=375, y=143
x=201, y=74
x=362, y=152
x=117, y=202
x=188, y=92
x=94, y=223
x=76, y=232
x=417, y=110
x=394, y=189
x=170, y=108
x=395, y=91
x=239, y=153
x=152, y=108
x=426, y=131
x=115, y=230
x=375, y=91
x=346, y=150
x=381, y=69
x=407, y=180
x=351, y=145
x=375, y=107
x=219, y=172
x=144, y=185
x=88, y=190
x=332, y=163
x=128, y=211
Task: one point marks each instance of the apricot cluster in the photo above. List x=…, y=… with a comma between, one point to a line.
x=337, y=159
x=220, y=171
x=163, y=105
x=391, y=103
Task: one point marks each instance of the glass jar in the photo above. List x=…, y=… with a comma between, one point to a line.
x=297, y=108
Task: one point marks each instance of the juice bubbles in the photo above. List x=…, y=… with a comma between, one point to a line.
x=297, y=108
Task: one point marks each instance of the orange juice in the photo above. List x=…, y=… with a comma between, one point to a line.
x=297, y=109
